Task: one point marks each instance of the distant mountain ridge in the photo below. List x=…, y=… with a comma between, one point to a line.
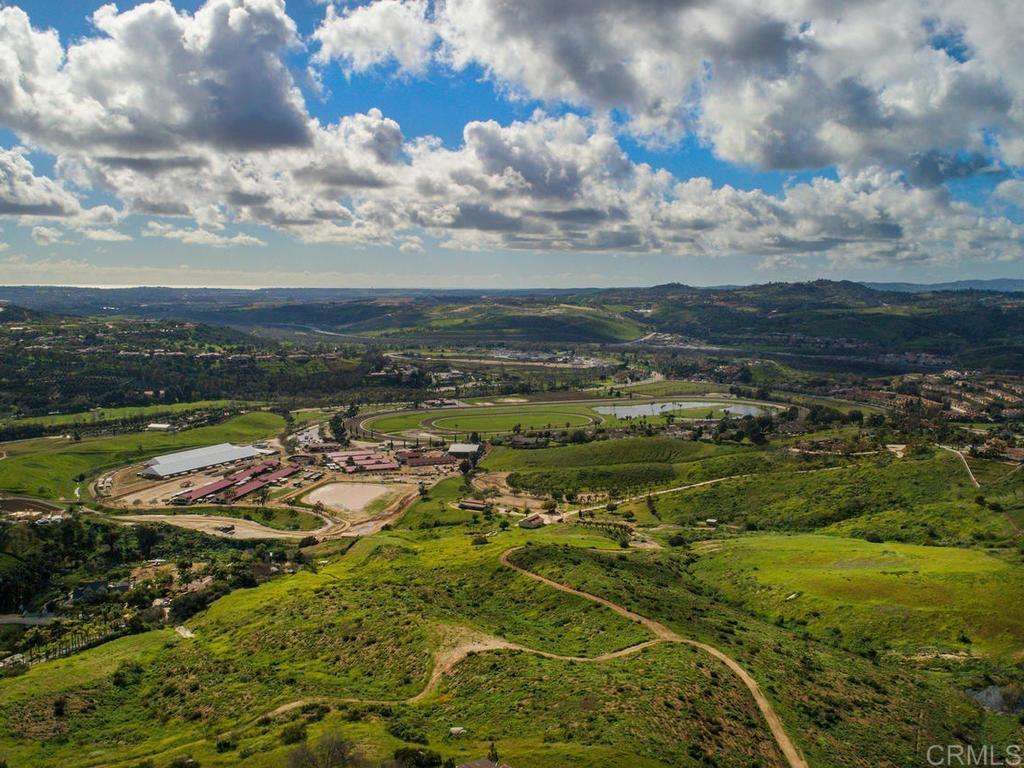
x=1001, y=285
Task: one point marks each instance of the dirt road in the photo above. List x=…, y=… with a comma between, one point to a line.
x=243, y=529
x=464, y=642
x=967, y=466
x=664, y=634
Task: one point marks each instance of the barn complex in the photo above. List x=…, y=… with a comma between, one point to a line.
x=183, y=462
x=362, y=460
x=240, y=484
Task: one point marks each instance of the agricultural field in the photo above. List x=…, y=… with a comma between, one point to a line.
x=632, y=466
x=48, y=467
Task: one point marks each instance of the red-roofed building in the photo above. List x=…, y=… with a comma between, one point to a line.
x=243, y=490
x=207, y=490
x=280, y=474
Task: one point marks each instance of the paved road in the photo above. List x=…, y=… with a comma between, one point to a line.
x=25, y=621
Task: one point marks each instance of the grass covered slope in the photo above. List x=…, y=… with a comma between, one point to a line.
x=366, y=627
x=635, y=465
x=929, y=499
x=524, y=321
x=910, y=598
x=863, y=649
x=48, y=467
x=840, y=707
x=102, y=415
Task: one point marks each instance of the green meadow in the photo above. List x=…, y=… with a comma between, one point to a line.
x=100, y=415
x=906, y=597
x=925, y=500
x=845, y=705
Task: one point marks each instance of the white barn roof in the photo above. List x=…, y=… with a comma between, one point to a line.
x=198, y=458
x=464, y=448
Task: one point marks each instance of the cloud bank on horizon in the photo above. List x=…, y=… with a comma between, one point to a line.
x=897, y=126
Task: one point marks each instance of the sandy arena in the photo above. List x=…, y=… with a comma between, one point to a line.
x=349, y=497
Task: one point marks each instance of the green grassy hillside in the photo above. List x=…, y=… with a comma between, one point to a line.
x=845, y=708
x=864, y=649
x=911, y=598
x=100, y=415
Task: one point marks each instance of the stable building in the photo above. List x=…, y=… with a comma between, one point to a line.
x=465, y=450
x=183, y=462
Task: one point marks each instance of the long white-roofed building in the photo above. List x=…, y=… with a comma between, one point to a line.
x=182, y=462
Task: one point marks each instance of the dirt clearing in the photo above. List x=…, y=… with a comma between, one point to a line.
x=349, y=497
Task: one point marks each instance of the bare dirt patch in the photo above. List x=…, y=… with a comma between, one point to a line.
x=349, y=497
x=504, y=494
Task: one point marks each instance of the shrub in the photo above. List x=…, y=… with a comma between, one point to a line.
x=407, y=729
x=410, y=757
x=331, y=751
x=293, y=733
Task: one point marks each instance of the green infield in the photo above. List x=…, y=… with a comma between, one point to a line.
x=535, y=418
x=48, y=467
x=503, y=419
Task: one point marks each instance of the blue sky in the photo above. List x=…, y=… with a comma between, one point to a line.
x=415, y=143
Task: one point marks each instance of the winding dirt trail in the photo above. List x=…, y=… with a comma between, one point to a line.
x=789, y=750
x=450, y=656
x=963, y=460
x=465, y=643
